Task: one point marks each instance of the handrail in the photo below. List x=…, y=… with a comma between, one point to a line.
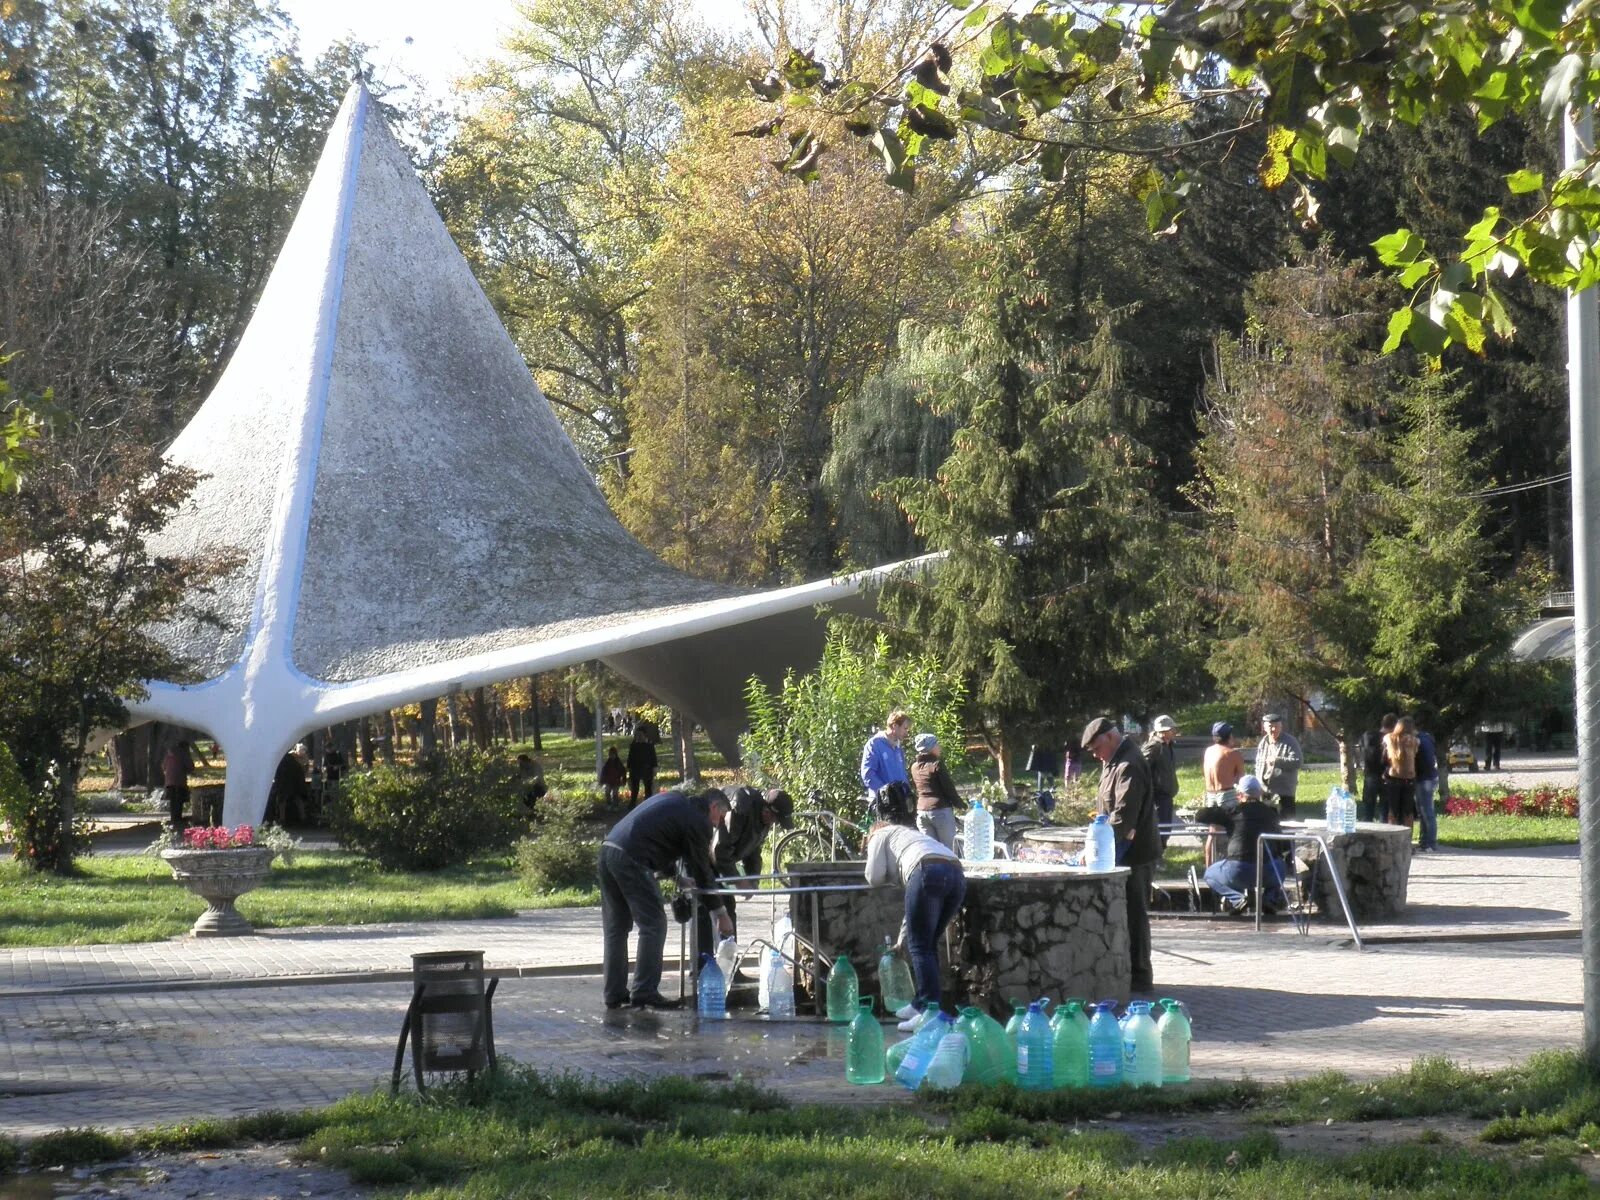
x=1333, y=869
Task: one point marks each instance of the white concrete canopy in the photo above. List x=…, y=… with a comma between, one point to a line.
x=409, y=514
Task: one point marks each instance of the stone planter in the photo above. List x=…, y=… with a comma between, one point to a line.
x=219, y=877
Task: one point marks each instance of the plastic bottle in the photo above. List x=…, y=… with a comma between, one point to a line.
x=1349, y=812
x=1071, y=1051
x=991, y=1058
x=728, y=958
x=895, y=1055
x=782, y=931
x=894, y=980
x=712, y=1003
x=863, y=1052
x=844, y=991
x=920, y=1047
x=1100, y=848
x=1141, y=1047
x=1176, y=1033
x=949, y=1059
x=977, y=834
x=1333, y=807
x=1018, y=1011
x=1035, y=1051
x=1105, y=1047
x=777, y=981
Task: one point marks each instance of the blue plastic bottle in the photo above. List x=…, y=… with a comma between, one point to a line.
x=1100, y=850
x=919, y=1053
x=1141, y=1047
x=1105, y=1046
x=713, y=1001
x=1035, y=1051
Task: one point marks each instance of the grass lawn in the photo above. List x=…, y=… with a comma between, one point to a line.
x=134, y=899
x=523, y=1134
x=1503, y=832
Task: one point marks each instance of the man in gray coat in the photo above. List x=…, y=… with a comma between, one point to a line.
x=1125, y=796
x=1278, y=764
x=1163, y=764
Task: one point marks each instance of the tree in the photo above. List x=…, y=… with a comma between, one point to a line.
x=1288, y=466
x=79, y=596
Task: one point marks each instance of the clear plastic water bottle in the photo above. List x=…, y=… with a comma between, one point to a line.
x=1176, y=1034
x=1035, y=1051
x=728, y=958
x=1100, y=848
x=949, y=1060
x=919, y=1051
x=778, y=982
x=863, y=1054
x=1141, y=1047
x=844, y=991
x=894, y=980
x=1105, y=1046
x=977, y=834
x=1349, y=812
x=1334, y=808
x=712, y=1003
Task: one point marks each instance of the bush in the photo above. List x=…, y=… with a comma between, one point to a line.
x=561, y=852
x=459, y=804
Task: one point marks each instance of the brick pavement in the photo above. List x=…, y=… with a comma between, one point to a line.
x=87, y=1040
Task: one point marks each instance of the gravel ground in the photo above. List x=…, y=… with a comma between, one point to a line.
x=254, y=1173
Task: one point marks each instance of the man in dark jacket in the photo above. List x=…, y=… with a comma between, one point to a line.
x=641, y=763
x=651, y=840
x=1163, y=764
x=1246, y=817
x=736, y=843
x=1126, y=796
x=1371, y=751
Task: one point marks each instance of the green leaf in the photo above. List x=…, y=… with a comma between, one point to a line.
x=1416, y=272
x=1291, y=88
x=1399, y=322
x=1464, y=327
x=1399, y=248
x=1520, y=182
x=1559, y=86
x=1053, y=162
x=1343, y=144
x=1499, y=319
x=1425, y=335
x=1309, y=154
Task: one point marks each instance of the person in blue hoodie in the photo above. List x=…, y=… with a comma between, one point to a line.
x=883, y=772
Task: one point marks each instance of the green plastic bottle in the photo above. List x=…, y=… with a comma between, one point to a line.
x=894, y=980
x=863, y=1052
x=1175, y=1036
x=844, y=992
x=1062, y=1009
x=1071, y=1066
x=991, y=1059
x=1018, y=1012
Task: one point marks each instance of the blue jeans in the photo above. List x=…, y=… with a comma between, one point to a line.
x=1229, y=878
x=1426, y=817
x=629, y=896
x=933, y=897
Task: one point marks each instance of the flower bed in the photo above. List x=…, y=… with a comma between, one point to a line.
x=1532, y=802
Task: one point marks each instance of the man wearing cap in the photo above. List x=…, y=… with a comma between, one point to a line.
x=937, y=798
x=1126, y=796
x=1278, y=764
x=1246, y=817
x=736, y=843
x=1163, y=763
x=650, y=841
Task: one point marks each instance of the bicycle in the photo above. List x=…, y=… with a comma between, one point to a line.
x=819, y=835
x=1010, y=825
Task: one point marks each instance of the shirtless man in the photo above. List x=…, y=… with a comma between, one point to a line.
x=1222, y=768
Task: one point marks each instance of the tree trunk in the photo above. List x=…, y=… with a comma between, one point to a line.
x=452, y=719
x=1347, y=766
x=364, y=740
x=1003, y=760
x=683, y=735
x=390, y=733
x=582, y=718
x=538, y=721
x=429, y=729
x=482, y=730
x=130, y=758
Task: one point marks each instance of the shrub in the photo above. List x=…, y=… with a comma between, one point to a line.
x=458, y=804
x=561, y=851
x=1536, y=802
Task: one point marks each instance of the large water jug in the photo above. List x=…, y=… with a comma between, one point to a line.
x=844, y=991
x=977, y=834
x=728, y=958
x=1176, y=1034
x=1105, y=1047
x=1070, y=1029
x=895, y=1055
x=777, y=981
x=1035, y=1051
x=920, y=1048
x=1333, y=808
x=1018, y=1011
x=949, y=1061
x=782, y=931
x=712, y=1003
x=894, y=980
x=863, y=1051
x=1141, y=1047
x=1100, y=848
x=990, y=1057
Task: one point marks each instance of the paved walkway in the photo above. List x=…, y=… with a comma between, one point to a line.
x=132, y=1035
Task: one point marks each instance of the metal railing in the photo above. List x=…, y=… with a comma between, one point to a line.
x=1293, y=839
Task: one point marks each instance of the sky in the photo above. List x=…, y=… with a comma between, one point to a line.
x=434, y=41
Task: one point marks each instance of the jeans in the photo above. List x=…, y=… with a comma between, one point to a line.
x=629, y=896
x=933, y=897
x=1230, y=878
x=939, y=824
x=1426, y=817
x=1139, y=878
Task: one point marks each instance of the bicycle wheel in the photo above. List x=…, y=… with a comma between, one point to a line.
x=805, y=844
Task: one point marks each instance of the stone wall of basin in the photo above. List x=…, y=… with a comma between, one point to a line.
x=1375, y=862
x=1025, y=930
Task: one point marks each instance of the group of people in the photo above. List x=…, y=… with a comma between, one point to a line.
x=1399, y=777
x=639, y=772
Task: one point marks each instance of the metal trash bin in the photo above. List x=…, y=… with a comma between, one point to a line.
x=450, y=1021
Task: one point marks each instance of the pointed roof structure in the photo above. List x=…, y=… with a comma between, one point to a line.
x=408, y=513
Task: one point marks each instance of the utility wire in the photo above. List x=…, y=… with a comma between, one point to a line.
x=1530, y=485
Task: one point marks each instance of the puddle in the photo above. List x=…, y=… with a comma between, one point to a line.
x=92, y=1181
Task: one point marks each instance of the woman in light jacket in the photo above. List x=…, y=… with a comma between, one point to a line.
x=935, y=885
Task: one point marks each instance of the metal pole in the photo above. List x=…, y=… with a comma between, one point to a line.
x=1583, y=376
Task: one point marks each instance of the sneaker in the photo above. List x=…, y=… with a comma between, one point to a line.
x=911, y=1024
x=615, y=1004
x=907, y=1011
x=655, y=1000
x=1235, y=906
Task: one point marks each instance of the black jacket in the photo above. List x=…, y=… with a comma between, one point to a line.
x=1245, y=821
x=641, y=758
x=740, y=846
x=665, y=828
x=1163, y=764
x=1126, y=794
